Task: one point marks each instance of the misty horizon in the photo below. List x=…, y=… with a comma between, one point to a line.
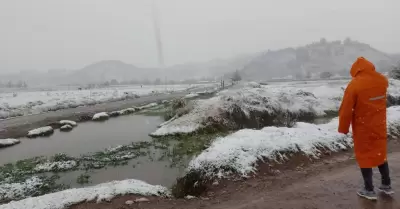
x=45, y=35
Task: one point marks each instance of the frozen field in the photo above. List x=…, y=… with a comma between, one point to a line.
x=32, y=102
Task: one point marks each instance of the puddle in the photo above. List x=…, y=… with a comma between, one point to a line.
x=94, y=136
x=86, y=137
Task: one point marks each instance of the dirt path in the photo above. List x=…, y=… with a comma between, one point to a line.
x=19, y=126
x=328, y=184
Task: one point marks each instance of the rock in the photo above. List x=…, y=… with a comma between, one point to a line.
x=66, y=128
x=43, y=131
x=215, y=183
x=102, y=116
x=142, y=199
x=128, y=111
x=85, y=118
x=189, y=197
x=68, y=122
x=114, y=114
x=8, y=142
x=129, y=202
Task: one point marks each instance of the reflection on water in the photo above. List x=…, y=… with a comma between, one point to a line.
x=86, y=137
x=93, y=136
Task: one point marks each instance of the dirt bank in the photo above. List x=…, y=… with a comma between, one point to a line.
x=19, y=126
x=330, y=183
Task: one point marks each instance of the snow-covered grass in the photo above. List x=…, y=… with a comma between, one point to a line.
x=255, y=106
x=240, y=151
x=100, y=116
x=101, y=192
x=42, y=131
x=8, y=142
x=32, y=102
x=56, y=166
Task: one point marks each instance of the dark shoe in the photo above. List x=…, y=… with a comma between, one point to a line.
x=387, y=189
x=370, y=195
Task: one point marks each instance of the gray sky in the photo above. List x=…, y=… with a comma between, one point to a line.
x=46, y=34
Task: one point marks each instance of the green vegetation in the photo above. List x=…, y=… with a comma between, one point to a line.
x=83, y=179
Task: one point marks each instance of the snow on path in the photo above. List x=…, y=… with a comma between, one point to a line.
x=241, y=150
x=105, y=191
x=33, y=102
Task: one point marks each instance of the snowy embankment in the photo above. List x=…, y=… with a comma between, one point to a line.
x=24, y=103
x=256, y=106
x=101, y=192
x=240, y=151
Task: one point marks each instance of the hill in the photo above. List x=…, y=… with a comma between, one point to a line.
x=335, y=57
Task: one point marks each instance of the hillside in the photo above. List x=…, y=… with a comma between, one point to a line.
x=323, y=56
x=210, y=69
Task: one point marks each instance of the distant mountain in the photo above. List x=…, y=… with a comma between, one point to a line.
x=335, y=57
x=108, y=70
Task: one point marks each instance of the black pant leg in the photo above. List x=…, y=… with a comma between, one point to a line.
x=367, y=176
x=384, y=170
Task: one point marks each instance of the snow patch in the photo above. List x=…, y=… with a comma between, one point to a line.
x=56, y=166
x=147, y=106
x=63, y=199
x=191, y=95
x=100, y=116
x=66, y=128
x=8, y=142
x=127, y=111
x=9, y=191
x=253, y=84
x=68, y=122
x=43, y=131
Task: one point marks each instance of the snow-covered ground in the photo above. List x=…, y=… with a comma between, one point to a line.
x=63, y=199
x=32, y=102
x=241, y=150
x=316, y=97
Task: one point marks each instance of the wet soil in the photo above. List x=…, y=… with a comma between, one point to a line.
x=19, y=126
x=329, y=183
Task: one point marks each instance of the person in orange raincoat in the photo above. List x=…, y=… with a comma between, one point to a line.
x=364, y=107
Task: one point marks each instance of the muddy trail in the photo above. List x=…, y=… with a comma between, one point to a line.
x=329, y=183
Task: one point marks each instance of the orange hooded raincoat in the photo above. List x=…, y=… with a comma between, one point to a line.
x=364, y=107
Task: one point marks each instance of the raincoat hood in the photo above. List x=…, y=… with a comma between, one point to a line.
x=361, y=65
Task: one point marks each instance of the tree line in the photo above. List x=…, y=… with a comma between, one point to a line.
x=10, y=84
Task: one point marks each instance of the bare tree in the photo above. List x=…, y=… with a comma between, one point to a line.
x=236, y=76
x=325, y=75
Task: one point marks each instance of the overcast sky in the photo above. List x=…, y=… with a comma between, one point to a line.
x=48, y=34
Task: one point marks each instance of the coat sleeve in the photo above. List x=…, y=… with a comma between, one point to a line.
x=346, y=108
